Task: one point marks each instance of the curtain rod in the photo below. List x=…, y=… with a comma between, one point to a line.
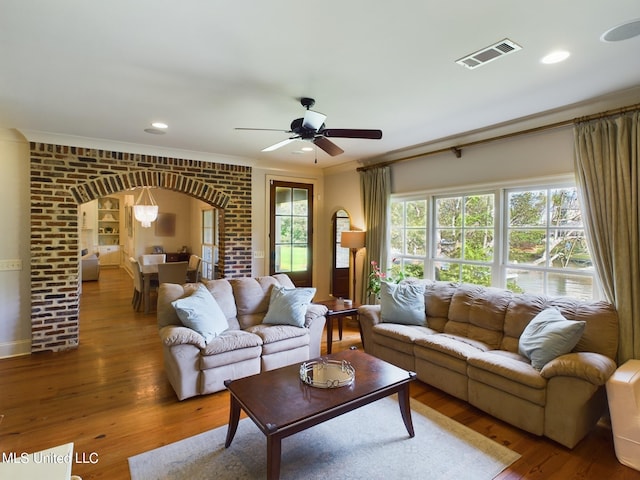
x=457, y=149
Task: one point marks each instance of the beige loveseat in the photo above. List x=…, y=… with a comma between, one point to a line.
x=468, y=348
x=247, y=347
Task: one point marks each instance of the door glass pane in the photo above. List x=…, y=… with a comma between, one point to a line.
x=343, y=224
x=283, y=201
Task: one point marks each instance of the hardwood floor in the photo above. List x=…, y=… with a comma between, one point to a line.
x=111, y=398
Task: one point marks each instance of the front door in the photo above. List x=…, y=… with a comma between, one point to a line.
x=291, y=231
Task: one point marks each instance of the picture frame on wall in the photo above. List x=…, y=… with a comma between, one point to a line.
x=166, y=225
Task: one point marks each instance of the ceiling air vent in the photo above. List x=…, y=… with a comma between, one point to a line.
x=488, y=54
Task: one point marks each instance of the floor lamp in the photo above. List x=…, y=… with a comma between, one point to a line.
x=353, y=240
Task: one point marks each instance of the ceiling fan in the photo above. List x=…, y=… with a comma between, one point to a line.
x=311, y=128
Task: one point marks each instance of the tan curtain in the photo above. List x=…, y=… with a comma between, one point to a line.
x=607, y=168
x=375, y=192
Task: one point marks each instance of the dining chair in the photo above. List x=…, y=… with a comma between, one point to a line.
x=136, y=301
x=172, y=272
x=193, y=270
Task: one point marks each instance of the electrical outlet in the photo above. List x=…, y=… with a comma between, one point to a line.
x=11, y=264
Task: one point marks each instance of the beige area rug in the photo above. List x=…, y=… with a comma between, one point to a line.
x=368, y=443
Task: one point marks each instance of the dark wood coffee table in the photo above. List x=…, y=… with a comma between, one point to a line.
x=280, y=404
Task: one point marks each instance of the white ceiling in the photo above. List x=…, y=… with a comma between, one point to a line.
x=107, y=69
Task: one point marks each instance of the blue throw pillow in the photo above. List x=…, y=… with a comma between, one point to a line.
x=402, y=303
x=288, y=306
x=200, y=312
x=548, y=336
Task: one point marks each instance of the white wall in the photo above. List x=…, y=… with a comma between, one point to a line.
x=15, y=292
x=546, y=153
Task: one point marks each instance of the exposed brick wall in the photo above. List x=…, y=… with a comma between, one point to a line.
x=64, y=177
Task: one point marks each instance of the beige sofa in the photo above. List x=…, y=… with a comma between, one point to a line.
x=468, y=348
x=247, y=347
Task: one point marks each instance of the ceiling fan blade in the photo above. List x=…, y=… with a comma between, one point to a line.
x=279, y=144
x=352, y=133
x=328, y=146
x=313, y=120
x=263, y=129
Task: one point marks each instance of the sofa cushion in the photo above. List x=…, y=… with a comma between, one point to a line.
x=288, y=306
x=402, y=303
x=200, y=312
x=478, y=312
x=277, y=338
x=548, y=336
x=231, y=340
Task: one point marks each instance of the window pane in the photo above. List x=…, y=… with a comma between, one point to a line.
x=283, y=258
x=416, y=242
x=299, y=232
x=416, y=213
x=207, y=218
x=283, y=201
x=527, y=247
x=397, y=241
x=283, y=229
x=449, y=244
x=564, y=208
x=413, y=268
x=478, y=211
x=477, y=274
x=526, y=281
x=397, y=214
x=299, y=258
x=449, y=272
x=577, y=286
x=449, y=212
x=478, y=245
x=528, y=209
x=300, y=202
x=569, y=249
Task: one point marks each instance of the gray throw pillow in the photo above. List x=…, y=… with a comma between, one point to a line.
x=548, y=336
x=402, y=303
x=288, y=306
x=200, y=312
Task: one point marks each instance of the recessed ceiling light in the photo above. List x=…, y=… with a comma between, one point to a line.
x=621, y=32
x=555, y=57
x=155, y=131
x=159, y=125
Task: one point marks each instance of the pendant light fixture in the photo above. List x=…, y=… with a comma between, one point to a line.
x=145, y=213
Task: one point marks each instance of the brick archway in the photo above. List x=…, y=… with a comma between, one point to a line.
x=64, y=177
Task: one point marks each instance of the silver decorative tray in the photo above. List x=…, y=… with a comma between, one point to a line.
x=325, y=373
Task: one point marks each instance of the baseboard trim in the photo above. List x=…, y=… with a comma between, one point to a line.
x=15, y=349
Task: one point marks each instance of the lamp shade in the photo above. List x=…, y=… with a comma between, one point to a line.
x=352, y=239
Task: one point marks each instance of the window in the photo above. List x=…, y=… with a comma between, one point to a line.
x=546, y=244
x=464, y=235
x=408, y=237
x=527, y=240
x=209, y=243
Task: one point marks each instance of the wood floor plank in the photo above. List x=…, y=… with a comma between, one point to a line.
x=112, y=399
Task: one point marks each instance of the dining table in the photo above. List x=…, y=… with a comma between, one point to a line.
x=149, y=273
